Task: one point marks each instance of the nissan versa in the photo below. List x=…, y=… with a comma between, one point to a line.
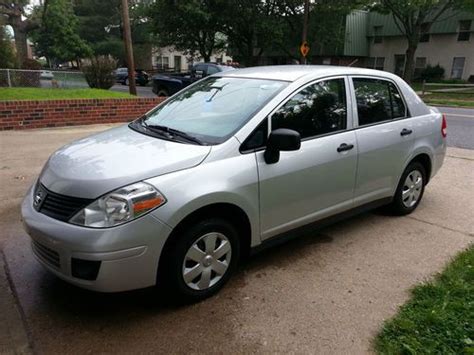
x=233, y=162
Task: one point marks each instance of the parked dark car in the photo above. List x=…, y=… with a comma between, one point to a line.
x=141, y=76
x=167, y=85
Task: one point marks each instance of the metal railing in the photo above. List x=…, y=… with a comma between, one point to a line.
x=42, y=78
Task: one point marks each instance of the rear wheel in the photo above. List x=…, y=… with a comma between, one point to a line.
x=126, y=81
x=410, y=189
x=201, y=260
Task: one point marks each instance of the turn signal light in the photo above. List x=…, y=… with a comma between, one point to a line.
x=444, y=127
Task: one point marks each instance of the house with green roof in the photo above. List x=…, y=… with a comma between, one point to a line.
x=373, y=40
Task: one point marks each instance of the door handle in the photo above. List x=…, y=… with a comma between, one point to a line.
x=343, y=147
x=406, y=132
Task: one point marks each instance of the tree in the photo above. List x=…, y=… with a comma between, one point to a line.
x=57, y=37
x=191, y=26
x=414, y=16
x=14, y=14
x=256, y=27
x=100, y=25
x=253, y=26
x=7, y=55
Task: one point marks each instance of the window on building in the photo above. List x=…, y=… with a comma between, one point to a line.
x=464, y=30
x=425, y=35
x=399, y=64
x=376, y=63
x=177, y=62
x=377, y=101
x=317, y=109
x=458, y=67
x=378, y=38
x=162, y=62
x=420, y=64
x=371, y=62
x=379, y=63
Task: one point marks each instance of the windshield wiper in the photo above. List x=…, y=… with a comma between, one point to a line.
x=167, y=131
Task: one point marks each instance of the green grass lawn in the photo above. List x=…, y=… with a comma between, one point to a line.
x=450, y=99
x=456, y=99
x=58, y=94
x=439, y=318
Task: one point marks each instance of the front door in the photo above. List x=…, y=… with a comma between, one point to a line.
x=318, y=179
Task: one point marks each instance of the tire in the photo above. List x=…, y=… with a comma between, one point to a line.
x=162, y=93
x=180, y=264
x=126, y=82
x=410, y=190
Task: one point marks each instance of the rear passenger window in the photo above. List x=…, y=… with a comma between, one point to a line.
x=317, y=109
x=377, y=101
x=398, y=106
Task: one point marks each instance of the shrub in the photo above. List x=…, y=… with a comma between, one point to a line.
x=432, y=73
x=99, y=73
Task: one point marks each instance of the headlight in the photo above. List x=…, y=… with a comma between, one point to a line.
x=120, y=206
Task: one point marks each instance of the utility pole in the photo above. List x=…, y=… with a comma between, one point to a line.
x=127, y=38
x=304, y=37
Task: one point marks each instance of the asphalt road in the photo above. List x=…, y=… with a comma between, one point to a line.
x=142, y=91
x=327, y=292
x=460, y=127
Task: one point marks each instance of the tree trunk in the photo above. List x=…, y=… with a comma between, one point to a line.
x=409, y=63
x=21, y=43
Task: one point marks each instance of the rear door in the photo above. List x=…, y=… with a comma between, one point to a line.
x=385, y=137
x=318, y=179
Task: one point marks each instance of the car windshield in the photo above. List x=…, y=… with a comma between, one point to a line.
x=211, y=110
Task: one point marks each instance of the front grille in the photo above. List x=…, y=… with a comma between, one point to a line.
x=46, y=254
x=58, y=206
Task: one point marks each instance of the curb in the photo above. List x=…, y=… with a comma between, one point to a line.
x=13, y=334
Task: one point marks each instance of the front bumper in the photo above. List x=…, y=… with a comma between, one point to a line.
x=127, y=255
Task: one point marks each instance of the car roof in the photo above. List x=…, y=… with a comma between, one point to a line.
x=294, y=72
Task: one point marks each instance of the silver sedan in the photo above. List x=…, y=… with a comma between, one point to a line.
x=233, y=163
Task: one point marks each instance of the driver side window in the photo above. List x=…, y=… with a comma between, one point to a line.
x=317, y=109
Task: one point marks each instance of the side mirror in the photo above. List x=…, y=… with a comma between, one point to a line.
x=281, y=139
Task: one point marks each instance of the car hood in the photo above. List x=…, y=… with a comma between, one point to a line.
x=98, y=164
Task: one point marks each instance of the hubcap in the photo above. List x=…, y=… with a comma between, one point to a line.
x=412, y=188
x=206, y=261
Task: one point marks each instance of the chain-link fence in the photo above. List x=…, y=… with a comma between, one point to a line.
x=42, y=78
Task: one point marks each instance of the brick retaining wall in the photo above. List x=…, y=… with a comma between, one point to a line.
x=56, y=113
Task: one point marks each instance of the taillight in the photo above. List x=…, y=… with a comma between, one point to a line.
x=444, y=127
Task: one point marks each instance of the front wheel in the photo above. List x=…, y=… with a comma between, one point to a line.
x=200, y=260
x=410, y=189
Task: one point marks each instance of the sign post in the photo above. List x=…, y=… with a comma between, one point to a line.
x=304, y=50
x=304, y=35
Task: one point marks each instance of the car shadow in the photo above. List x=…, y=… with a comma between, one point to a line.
x=66, y=298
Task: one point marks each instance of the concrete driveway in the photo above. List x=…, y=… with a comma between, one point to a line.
x=328, y=292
